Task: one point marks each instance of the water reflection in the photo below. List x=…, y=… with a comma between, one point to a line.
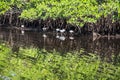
x=22, y=32
x=47, y=40
x=62, y=38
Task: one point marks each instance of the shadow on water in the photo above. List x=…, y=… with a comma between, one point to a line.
x=62, y=43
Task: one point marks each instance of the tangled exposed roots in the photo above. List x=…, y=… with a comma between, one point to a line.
x=103, y=26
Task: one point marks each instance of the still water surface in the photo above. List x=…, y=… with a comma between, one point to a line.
x=61, y=42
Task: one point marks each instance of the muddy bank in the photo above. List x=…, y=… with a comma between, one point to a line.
x=104, y=26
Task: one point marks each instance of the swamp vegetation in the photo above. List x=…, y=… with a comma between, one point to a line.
x=34, y=64
x=21, y=61
x=83, y=16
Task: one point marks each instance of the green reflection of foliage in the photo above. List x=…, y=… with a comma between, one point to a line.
x=34, y=64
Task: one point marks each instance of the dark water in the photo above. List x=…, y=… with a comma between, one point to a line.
x=51, y=40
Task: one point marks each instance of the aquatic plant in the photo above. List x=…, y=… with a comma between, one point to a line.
x=35, y=64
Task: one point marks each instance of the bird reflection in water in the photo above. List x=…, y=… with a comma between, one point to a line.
x=62, y=38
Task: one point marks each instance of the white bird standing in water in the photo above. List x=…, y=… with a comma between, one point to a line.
x=71, y=33
x=57, y=29
x=57, y=35
x=22, y=26
x=62, y=30
x=22, y=31
x=44, y=28
x=62, y=38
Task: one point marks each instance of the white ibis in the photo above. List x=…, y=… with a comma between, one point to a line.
x=57, y=29
x=22, y=26
x=22, y=31
x=44, y=28
x=71, y=31
x=62, y=30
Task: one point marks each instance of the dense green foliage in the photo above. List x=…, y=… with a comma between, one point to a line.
x=34, y=64
x=77, y=12
x=4, y=6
